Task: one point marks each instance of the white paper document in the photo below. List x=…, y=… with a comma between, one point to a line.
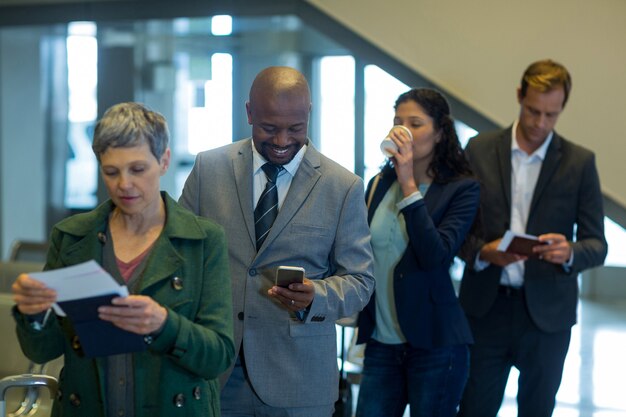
x=84, y=280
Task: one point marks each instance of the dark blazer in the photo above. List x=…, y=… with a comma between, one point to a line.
x=196, y=343
x=567, y=194
x=428, y=311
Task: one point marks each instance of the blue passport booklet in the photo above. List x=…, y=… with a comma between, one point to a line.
x=98, y=337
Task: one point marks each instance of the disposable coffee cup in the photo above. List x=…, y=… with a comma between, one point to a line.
x=388, y=143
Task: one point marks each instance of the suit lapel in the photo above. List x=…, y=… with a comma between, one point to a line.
x=548, y=167
x=433, y=196
x=242, y=170
x=503, y=154
x=303, y=182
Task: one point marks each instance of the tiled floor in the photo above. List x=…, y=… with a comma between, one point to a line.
x=594, y=378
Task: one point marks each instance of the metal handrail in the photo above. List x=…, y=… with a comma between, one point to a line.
x=32, y=397
x=26, y=380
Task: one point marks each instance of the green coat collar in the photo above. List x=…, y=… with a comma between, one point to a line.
x=88, y=230
x=180, y=222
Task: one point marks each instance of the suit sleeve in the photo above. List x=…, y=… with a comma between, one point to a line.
x=474, y=240
x=590, y=247
x=349, y=289
x=433, y=245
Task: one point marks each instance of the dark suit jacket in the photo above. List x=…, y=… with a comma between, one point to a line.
x=567, y=199
x=428, y=310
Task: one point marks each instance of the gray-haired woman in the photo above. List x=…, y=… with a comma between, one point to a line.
x=176, y=268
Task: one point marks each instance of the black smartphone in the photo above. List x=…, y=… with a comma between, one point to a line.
x=286, y=275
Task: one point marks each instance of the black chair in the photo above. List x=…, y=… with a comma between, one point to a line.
x=28, y=251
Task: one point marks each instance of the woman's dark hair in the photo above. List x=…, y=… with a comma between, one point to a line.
x=448, y=161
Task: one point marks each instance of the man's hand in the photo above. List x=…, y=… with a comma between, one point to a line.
x=557, y=250
x=136, y=313
x=32, y=296
x=296, y=297
x=490, y=253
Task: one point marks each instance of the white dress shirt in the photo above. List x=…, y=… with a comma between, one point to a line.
x=283, y=182
x=524, y=174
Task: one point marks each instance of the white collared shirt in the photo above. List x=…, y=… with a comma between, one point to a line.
x=284, y=177
x=525, y=171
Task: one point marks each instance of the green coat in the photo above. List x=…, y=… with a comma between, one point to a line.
x=176, y=376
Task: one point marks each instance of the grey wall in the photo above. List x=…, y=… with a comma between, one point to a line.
x=22, y=140
x=477, y=50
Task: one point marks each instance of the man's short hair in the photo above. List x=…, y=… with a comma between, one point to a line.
x=546, y=75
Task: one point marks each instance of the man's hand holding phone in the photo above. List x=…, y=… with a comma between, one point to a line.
x=292, y=289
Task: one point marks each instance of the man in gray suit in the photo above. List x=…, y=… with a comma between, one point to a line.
x=521, y=307
x=287, y=364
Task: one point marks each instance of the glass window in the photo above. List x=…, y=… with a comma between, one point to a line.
x=464, y=132
x=210, y=118
x=381, y=91
x=221, y=25
x=616, y=238
x=336, y=109
x=82, y=66
x=205, y=106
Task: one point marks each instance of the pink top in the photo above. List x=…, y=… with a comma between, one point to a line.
x=127, y=268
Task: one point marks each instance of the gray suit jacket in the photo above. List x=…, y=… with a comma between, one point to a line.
x=322, y=226
x=567, y=198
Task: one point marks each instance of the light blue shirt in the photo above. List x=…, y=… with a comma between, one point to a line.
x=389, y=242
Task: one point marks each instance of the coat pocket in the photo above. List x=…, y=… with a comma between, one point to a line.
x=309, y=230
x=299, y=329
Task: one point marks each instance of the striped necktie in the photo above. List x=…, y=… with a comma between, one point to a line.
x=267, y=208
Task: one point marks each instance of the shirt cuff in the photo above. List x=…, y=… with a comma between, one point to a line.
x=567, y=266
x=408, y=200
x=480, y=265
x=38, y=321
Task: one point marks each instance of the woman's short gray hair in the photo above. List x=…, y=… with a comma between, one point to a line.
x=126, y=125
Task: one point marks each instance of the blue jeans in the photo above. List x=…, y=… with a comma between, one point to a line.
x=431, y=381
